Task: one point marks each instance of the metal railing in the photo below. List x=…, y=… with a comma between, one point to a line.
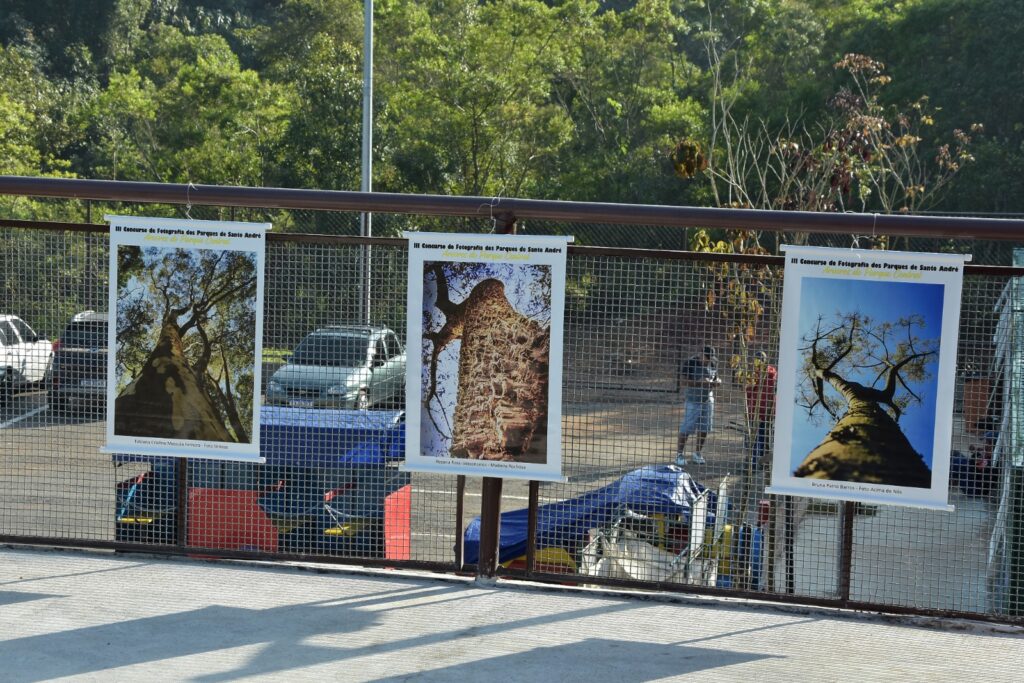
x=632, y=318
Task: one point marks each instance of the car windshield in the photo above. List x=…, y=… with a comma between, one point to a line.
x=333, y=350
x=91, y=333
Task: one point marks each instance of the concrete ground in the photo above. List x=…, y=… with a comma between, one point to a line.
x=84, y=616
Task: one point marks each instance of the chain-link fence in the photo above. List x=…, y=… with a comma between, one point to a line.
x=331, y=488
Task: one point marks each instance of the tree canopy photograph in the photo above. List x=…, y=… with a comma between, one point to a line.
x=866, y=386
x=485, y=355
x=186, y=343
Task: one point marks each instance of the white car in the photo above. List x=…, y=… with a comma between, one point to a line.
x=25, y=357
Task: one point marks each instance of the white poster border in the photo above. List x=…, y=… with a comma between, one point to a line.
x=492, y=249
x=196, y=234
x=880, y=266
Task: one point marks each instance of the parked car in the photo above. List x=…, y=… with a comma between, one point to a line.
x=24, y=356
x=343, y=366
x=78, y=375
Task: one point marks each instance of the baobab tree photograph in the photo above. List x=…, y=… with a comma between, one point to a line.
x=186, y=343
x=486, y=340
x=866, y=385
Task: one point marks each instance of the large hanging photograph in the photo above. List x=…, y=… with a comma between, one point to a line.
x=186, y=337
x=484, y=389
x=866, y=375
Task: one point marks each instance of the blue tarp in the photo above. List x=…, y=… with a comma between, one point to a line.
x=321, y=437
x=663, y=489
x=305, y=437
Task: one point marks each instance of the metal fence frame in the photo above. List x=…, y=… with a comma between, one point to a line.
x=504, y=213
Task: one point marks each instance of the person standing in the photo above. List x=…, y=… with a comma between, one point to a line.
x=761, y=405
x=700, y=377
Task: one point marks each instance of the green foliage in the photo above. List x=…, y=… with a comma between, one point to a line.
x=623, y=86
x=569, y=99
x=187, y=112
x=962, y=54
x=468, y=110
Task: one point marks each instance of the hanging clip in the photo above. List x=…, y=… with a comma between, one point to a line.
x=188, y=199
x=490, y=207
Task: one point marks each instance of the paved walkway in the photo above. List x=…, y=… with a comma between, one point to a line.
x=105, y=617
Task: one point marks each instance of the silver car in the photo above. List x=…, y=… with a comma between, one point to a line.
x=343, y=366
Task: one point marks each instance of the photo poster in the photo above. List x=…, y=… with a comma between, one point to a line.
x=185, y=343
x=484, y=367
x=867, y=367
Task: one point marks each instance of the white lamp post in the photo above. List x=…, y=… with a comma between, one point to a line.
x=366, y=177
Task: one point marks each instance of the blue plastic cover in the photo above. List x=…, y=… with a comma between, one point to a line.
x=663, y=489
x=319, y=437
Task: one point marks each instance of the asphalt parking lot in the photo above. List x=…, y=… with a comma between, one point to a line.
x=55, y=481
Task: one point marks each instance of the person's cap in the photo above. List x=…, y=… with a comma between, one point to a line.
x=761, y=356
x=710, y=351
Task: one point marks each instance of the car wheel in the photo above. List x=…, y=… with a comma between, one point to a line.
x=6, y=390
x=363, y=400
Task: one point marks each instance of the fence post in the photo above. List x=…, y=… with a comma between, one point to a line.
x=490, y=525
x=789, y=534
x=181, y=478
x=531, y=527
x=490, y=504
x=1012, y=458
x=848, y=513
x=460, y=498
x=1015, y=543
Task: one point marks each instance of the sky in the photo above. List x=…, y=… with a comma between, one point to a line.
x=881, y=301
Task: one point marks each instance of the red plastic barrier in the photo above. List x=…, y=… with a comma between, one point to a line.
x=397, y=525
x=229, y=519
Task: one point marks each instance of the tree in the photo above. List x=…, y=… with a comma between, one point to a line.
x=495, y=406
x=864, y=374
x=186, y=343
x=862, y=156
x=624, y=83
x=188, y=112
x=466, y=97
x=965, y=60
x=313, y=48
x=742, y=294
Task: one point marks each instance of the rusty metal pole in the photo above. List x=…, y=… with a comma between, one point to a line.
x=181, y=516
x=490, y=503
x=460, y=505
x=789, y=535
x=531, y=528
x=849, y=512
x=490, y=523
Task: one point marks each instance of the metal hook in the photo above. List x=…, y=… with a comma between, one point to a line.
x=856, y=238
x=188, y=200
x=490, y=207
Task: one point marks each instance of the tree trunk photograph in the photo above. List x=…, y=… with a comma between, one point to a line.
x=486, y=346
